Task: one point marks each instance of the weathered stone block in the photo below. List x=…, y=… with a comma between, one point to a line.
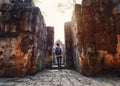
x=50, y=42
x=68, y=44
x=22, y=40
x=95, y=37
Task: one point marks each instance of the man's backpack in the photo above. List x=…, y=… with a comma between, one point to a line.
x=58, y=51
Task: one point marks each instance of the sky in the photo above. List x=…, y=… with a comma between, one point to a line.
x=56, y=13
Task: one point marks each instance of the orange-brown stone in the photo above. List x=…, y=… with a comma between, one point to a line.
x=20, y=39
x=95, y=36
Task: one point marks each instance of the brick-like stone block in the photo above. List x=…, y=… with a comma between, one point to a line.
x=95, y=36
x=68, y=44
x=50, y=43
x=23, y=36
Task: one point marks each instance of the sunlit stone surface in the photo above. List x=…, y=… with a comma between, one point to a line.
x=95, y=35
x=22, y=39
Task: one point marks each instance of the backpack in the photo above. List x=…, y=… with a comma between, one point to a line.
x=58, y=51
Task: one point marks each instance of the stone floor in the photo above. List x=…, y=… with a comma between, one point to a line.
x=62, y=77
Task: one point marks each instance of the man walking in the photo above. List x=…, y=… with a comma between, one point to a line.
x=58, y=52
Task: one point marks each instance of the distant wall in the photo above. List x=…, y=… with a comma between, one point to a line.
x=68, y=45
x=50, y=43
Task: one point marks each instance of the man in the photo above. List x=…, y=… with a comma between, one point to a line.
x=58, y=52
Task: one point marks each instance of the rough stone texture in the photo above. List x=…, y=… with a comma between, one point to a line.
x=60, y=78
x=4, y=1
x=68, y=44
x=50, y=43
x=77, y=35
x=50, y=39
x=22, y=40
x=95, y=27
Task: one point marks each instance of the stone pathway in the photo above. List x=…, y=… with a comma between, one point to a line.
x=59, y=78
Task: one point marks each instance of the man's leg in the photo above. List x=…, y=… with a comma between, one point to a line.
x=58, y=62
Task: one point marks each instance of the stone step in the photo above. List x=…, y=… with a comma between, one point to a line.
x=54, y=66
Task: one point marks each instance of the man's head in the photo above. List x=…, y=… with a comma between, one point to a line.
x=57, y=44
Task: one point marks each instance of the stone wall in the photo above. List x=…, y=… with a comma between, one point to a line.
x=50, y=43
x=22, y=40
x=68, y=45
x=96, y=37
x=50, y=39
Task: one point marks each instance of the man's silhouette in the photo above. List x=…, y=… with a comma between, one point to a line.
x=58, y=52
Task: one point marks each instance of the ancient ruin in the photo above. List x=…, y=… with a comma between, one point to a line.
x=95, y=27
x=68, y=45
x=92, y=38
x=23, y=37
x=49, y=50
